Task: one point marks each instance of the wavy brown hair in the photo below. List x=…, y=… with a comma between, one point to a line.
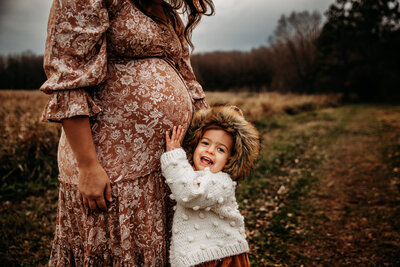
x=193, y=9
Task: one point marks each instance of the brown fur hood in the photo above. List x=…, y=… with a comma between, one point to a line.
x=245, y=137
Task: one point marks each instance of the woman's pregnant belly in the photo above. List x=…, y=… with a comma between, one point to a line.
x=140, y=100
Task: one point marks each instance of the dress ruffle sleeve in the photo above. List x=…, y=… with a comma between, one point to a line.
x=69, y=103
x=75, y=54
x=185, y=68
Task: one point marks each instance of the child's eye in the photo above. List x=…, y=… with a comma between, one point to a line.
x=204, y=143
x=221, y=150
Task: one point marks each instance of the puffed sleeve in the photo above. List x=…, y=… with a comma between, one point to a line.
x=75, y=56
x=69, y=103
x=185, y=69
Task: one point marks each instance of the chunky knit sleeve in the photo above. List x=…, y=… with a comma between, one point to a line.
x=195, y=189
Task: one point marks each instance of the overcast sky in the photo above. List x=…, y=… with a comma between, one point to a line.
x=237, y=24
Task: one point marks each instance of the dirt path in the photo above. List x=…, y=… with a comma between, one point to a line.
x=355, y=216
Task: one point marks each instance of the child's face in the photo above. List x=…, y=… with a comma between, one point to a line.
x=213, y=150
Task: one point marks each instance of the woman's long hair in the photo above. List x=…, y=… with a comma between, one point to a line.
x=193, y=9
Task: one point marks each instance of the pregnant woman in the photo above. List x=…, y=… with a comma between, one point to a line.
x=119, y=76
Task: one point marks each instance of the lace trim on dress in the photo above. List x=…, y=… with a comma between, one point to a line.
x=69, y=103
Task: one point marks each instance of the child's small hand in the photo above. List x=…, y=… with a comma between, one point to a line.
x=175, y=141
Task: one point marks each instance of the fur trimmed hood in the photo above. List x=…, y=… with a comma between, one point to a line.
x=246, y=142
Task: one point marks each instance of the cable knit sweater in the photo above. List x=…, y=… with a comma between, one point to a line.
x=207, y=224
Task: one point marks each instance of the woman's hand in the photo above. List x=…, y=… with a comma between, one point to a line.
x=94, y=184
x=175, y=141
x=94, y=187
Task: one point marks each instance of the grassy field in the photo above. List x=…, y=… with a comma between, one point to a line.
x=260, y=105
x=325, y=190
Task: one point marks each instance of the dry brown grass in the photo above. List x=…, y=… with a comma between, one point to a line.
x=258, y=105
x=28, y=179
x=274, y=199
x=26, y=141
x=28, y=146
x=20, y=110
x=28, y=170
x=14, y=109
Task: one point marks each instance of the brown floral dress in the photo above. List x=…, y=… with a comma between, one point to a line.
x=131, y=75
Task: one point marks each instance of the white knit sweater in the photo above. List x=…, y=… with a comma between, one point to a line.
x=207, y=224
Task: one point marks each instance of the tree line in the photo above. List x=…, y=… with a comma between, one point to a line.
x=21, y=71
x=355, y=52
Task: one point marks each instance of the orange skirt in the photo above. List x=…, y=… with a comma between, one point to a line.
x=241, y=260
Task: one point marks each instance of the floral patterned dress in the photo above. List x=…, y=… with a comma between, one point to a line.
x=132, y=76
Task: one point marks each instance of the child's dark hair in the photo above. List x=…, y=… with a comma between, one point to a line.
x=245, y=137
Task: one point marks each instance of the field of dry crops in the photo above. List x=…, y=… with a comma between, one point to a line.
x=258, y=105
x=27, y=146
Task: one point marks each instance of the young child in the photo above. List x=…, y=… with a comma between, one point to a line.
x=207, y=225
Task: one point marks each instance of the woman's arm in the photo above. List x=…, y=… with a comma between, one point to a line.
x=94, y=184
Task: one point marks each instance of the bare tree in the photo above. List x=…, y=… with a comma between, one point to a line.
x=293, y=44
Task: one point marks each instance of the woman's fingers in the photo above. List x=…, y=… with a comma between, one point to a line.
x=108, y=192
x=92, y=203
x=101, y=203
x=94, y=186
x=80, y=197
x=85, y=203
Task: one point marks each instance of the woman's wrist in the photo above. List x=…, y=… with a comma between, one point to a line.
x=87, y=162
x=79, y=136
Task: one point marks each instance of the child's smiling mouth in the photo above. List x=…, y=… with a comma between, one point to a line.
x=206, y=160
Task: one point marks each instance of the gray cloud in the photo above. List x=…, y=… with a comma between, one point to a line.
x=23, y=25
x=3, y=5
x=243, y=25
x=237, y=25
